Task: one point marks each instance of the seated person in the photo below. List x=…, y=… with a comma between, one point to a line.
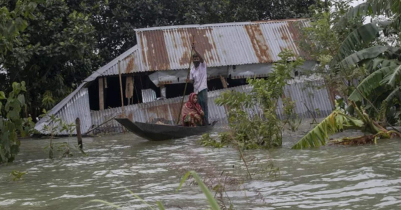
x=192, y=114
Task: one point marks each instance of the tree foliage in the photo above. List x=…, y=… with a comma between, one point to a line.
x=12, y=22
x=11, y=122
x=378, y=91
x=52, y=55
x=264, y=128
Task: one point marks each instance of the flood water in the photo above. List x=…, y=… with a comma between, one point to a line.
x=362, y=177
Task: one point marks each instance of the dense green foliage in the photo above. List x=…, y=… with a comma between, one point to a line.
x=264, y=128
x=12, y=22
x=364, y=56
x=11, y=123
x=54, y=53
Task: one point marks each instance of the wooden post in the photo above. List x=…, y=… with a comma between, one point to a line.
x=101, y=95
x=129, y=88
x=78, y=129
x=121, y=89
x=105, y=82
x=223, y=81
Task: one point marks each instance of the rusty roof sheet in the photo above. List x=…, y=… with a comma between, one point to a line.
x=168, y=48
x=130, y=63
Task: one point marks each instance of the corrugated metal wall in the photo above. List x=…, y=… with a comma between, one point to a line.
x=303, y=92
x=77, y=106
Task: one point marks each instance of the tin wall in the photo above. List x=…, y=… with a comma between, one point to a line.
x=76, y=106
x=303, y=91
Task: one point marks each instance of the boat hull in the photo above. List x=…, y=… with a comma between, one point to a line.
x=157, y=132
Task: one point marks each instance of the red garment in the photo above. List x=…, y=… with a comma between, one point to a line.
x=191, y=108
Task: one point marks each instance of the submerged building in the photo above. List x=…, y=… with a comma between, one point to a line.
x=149, y=78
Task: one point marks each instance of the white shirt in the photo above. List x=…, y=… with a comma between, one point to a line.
x=199, y=75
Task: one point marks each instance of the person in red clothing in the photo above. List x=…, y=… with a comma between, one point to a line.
x=192, y=113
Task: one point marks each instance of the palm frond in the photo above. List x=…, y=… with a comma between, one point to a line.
x=386, y=7
x=359, y=10
x=332, y=124
x=359, y=36
x=392, y=78
x=390, y=96
x=368, y=53
x=370, y=83
x=374, y=8
x=376, y=63
x=390, y=8
x=354, y=12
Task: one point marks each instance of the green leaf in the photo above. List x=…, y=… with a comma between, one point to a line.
x=5, y=140
x=13, y=115
x=21, y=99
x=23, y=88
x=16, y=87
x=370, y=83
x=160, y=205
x=364, y=54
x=381, y=62
x=392, y=78
x=2, y=95
x=359, y=36
x=390, y=97
x=329, y=126
x=139, y=198
x=212, y=202
x=359, y=10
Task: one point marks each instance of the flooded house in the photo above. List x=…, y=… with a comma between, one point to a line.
x=146, y=82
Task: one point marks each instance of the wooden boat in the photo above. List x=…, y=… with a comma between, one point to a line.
x=160, y=132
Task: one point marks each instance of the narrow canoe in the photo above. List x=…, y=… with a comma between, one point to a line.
x=157, y=132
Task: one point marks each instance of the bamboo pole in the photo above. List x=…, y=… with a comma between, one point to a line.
x=121, y=89
x=186, y=81
x=101, y=94
x=99, y=125
x=78, y=129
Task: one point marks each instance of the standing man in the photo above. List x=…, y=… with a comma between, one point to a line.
x=199, y=76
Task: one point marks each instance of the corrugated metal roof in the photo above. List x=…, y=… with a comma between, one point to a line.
x=130, y=63
x=166, y=48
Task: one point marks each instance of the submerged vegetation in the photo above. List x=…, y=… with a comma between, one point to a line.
x=262, y=129
x=369, y=54
x=12, y=124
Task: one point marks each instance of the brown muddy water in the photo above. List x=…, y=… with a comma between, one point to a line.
x=362, y=177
